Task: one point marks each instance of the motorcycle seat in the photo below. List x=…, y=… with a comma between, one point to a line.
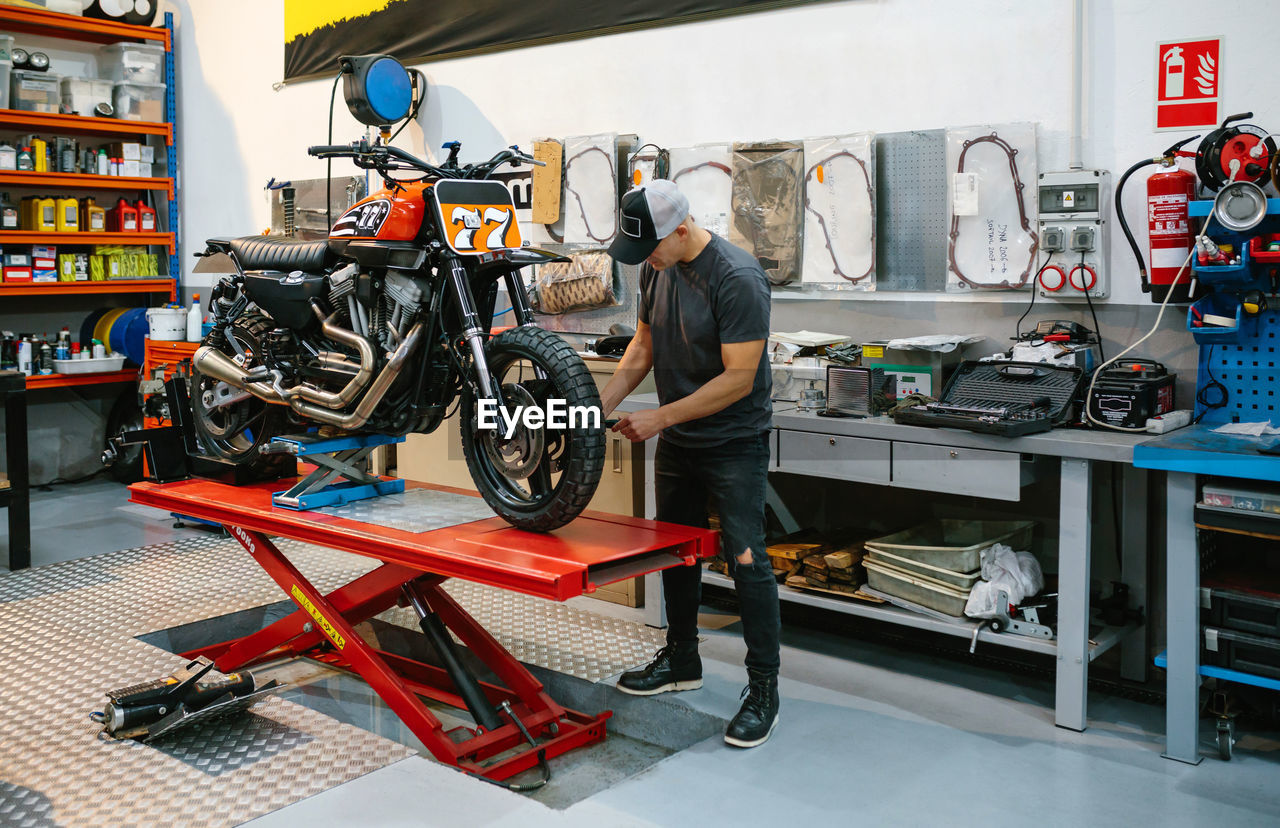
x=276, y=253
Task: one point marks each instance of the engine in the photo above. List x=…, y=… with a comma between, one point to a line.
x=393, y=310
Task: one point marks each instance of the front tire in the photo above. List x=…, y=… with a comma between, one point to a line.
x=536, y=481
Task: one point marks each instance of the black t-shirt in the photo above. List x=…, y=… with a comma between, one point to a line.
x=722, y=296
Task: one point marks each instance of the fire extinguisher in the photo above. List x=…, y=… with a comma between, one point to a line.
x=1169, y=193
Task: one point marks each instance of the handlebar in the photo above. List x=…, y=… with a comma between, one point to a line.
x=378, y=156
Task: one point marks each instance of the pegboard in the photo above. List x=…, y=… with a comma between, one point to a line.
x=1250, y=370
x=911, y=210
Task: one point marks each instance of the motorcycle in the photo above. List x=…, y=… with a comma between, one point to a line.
x=386, y=327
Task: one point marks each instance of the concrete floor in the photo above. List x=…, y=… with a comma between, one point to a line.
x=871, y=733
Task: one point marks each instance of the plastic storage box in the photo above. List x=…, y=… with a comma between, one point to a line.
x=140, y=101
x=1253, y=654
x=132, y=62
x=959, y=580
x=917, y=589
x=35, y=91
x=955, y=545
x=1245, y=612
x=6, y=68
x=1246, y=500
x=81, y=95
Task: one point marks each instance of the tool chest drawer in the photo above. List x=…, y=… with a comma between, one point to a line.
x=839, y=458
x=995, y=474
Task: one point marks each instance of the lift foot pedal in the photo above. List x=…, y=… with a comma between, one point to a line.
x=335, y=458
x=157, y=708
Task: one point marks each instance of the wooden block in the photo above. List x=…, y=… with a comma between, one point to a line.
x=547, y=181
x=839, y=560
x=792, y=551
x=816, y=561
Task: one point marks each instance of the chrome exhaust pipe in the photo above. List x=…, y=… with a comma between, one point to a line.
x=213, y=363
x=376, y=392
x=352, y=389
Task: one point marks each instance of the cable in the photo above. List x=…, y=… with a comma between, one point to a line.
x=328, y=172
x=421, y=83
x=1017, y=329
x=1202, y=395
x=1124, y=225
x=1096, y=327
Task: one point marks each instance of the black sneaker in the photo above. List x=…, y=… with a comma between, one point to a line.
x=675, y=667
x=758, y=715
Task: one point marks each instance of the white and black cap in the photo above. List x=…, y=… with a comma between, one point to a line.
x=648, y=215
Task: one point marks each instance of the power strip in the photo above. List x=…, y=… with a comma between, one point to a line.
x=1169, y=421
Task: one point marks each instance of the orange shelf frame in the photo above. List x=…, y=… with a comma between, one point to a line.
x=69, y=380
x=84, y=181
x=50, y=122
x=36, y=237
x=75, y=27
x=117, y=286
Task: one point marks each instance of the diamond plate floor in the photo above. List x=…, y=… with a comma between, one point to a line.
x=67, y=633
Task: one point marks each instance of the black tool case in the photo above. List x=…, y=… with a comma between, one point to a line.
x=987, y=385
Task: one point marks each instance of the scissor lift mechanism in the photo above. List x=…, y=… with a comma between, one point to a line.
x=518, y=725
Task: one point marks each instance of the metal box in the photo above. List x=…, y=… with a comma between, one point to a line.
x=915, y=372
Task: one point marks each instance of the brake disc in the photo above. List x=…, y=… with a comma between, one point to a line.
x=516, y=457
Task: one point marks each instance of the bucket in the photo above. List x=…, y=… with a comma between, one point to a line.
x=129, y=334
x=167, y=324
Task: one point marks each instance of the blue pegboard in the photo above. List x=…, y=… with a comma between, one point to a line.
x=1250, y=370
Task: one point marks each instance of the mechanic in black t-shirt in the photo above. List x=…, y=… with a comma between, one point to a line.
x=703, y=322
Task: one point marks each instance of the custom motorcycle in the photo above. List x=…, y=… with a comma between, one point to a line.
x=386, y=325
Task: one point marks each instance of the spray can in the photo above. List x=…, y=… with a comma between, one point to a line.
x=46, y=357
x=24, y=356
x=63, y=351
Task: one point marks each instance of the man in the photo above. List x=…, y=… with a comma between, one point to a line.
x=703, y=322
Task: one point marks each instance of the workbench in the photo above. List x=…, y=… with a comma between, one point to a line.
x=1182, y=455
x=878, y=451
x=594, y=550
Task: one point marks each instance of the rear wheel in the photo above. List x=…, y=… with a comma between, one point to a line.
x=538, y=478
x=228, y=424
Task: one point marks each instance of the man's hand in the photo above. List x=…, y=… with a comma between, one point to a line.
x=639, y=426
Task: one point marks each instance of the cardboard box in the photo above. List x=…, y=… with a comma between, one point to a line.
x=44, y=275
x=126, y=150
x=147, y=154
x=132, y=169
x=44, y=251
x=17, y=274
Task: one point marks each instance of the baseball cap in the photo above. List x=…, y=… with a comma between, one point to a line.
x=648, y=215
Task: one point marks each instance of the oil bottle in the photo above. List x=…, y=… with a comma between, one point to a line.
x=68, y=219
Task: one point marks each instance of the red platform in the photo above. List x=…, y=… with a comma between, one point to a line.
x=594, y=550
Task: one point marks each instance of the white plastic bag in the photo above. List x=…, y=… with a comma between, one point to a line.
x=590, y=200
x=839, y=212
x=703, y=173
x=1017, y=573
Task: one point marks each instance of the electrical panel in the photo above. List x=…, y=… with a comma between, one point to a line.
x=1073, y=230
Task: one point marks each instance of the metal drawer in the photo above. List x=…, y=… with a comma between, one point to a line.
x=838, y=458
x=995, y=474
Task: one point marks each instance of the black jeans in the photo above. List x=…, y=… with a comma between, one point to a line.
x=732, y=476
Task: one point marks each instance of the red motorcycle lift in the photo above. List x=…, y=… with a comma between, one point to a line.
x=594, y=550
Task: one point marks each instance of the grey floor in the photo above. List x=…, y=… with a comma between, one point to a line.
x=870, y=734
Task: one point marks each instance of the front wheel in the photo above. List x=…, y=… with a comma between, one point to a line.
x=537, y=479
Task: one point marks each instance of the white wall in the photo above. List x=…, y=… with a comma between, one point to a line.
x=822, y=69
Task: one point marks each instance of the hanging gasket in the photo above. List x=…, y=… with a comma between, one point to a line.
x=822, y=221
x=582, y=208
x=1012, y=152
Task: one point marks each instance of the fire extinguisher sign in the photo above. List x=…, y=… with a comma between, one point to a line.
x=1188, y=82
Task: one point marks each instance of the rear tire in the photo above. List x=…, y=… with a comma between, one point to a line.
x=126, y=416
x=237, y=432
x=532, y=499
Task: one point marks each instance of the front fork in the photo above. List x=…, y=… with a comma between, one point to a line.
x=472, y=331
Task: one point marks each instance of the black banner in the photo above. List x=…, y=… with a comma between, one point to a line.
x=416, y=31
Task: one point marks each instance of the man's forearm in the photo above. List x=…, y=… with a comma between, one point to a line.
x=716, y=395
x=630, y=372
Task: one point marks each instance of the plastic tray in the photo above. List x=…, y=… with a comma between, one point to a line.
x=954, y=544
x=960, y=580
x=1245, y=500
x=89, y=366
x=916, y=588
